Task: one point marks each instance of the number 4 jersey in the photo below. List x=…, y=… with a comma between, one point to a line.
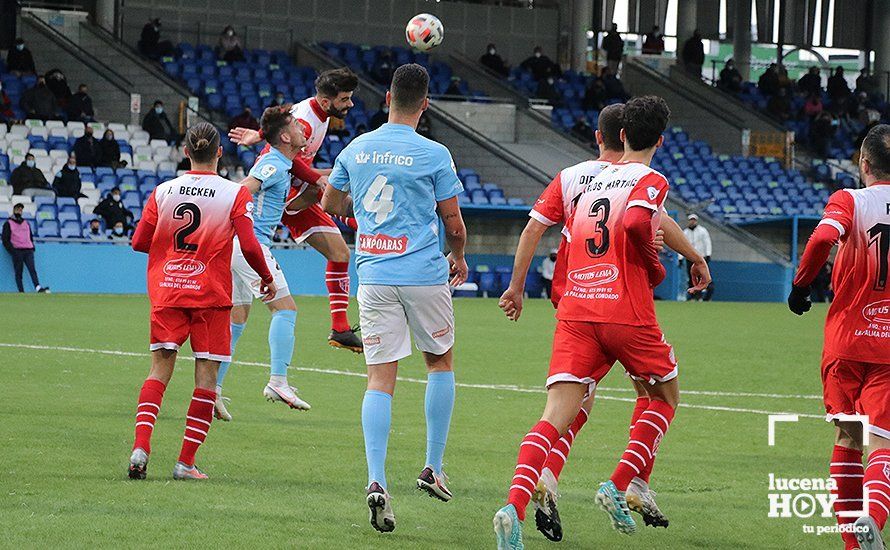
x=396, y=177
x=189, y=262
x=607, y=280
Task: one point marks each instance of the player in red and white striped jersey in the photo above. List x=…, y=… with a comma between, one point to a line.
x=856, y=355
x=303, y=216
x=555, y=206
x=187, y=229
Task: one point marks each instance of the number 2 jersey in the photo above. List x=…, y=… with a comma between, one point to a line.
x=606, y=276
x=857, y=327
x=189, y=260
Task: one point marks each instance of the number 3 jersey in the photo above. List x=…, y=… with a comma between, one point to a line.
x=857, y=327
x=606, y=280
x=189, y=261
x=396, y=177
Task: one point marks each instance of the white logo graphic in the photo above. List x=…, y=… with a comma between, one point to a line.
x=653, y=192
x=267, y=170
x=362, y=158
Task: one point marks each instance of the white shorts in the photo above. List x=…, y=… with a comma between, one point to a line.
x=246, y=282
x=388, y=312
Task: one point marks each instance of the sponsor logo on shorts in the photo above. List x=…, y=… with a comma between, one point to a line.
x=877, y=312
x=371, y=340
x=184, y=267
x=382, y=244
x=441, y=332
x=594, y=275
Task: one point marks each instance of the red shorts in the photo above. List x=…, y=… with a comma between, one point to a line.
x=308, y=222
x=585, y=352
x=852, y=387
x=208, y=329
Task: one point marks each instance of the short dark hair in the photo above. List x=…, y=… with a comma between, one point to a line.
x=410, y=86
x=18, y=205
x=158, y=102
x=609, y=125
x=644, y=120
x=876, y=150
x=336, y=81
x=202, y=141
x=274, y=120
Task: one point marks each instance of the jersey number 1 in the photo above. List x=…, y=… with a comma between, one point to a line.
x=194, y=214
x=879, y=236
x=599, y=243
x=378, y=199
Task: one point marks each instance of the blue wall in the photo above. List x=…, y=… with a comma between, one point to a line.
x=116, y=269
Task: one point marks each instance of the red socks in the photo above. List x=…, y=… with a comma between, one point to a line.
x=200, y=415
x=147, y=410
x=642, y=405
x=877, y=483
x=560, y=451
x=847, y=472
x=337, y=279
x=645, y=437
x=533, y=453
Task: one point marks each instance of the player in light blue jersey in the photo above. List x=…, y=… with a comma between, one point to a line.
x=269, y=181
x=401, y=184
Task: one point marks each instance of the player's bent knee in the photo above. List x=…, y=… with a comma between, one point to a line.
x=283, y=304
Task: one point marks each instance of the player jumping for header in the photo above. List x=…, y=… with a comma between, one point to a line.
x=607, y=314
x=399, y=181
x=187, y=229
x=856, y=355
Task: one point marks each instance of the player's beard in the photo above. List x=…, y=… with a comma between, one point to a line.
x=337, y=113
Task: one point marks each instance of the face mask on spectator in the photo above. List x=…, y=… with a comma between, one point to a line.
x=30, y=163
x=20, y=47
x=72, y=165
x=537, y=54
x=279, y=100
x=118, y=230
x=224, y=173
x=230, y=33
x=385, y=109
x=159, y=110
x=109, y=137
x=116, y=197
x=491, y=51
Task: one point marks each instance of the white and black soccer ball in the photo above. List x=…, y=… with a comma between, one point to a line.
x=424, y=32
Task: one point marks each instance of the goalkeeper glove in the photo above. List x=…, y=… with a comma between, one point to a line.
x=799, y=300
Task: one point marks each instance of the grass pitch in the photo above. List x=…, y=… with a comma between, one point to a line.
x=282, y=478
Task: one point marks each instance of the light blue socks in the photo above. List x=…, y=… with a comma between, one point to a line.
x=376, y=419
x=438, y=406
x=237, y=329
x=281, y=340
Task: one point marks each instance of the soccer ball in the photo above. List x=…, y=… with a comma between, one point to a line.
x=424, y=32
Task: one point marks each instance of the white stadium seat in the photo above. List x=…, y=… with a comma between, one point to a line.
x=40, y=131
x=38, y=153
x=140, y=134
x=58, y=154
x=127, y=157
x=77, y=131
x=98, y=128
x=18, y=147
x=59, y=132
x=34, y=123
x=117, y=127
x=19, y=131
x=20, y=198
x=168, y=166
x=158, y=144
x=142, y=150
x=5, y=192
x=133, y=128
x=3, y=130
x=54, y=124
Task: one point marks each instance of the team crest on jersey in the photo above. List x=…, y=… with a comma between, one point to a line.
x=184, y=267
x=652, y=192
x=362, y=158
x=594, y=275
x=267, y=170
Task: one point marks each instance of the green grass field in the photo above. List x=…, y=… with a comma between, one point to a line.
x=280, y=478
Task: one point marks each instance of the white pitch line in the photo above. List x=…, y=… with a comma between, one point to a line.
x=501, y=387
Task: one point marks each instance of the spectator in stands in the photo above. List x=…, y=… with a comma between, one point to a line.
x=19, y=60
x=39, y=102
x=95, y=233
x=701, y=241
x=87, y=148
x=454, y=87
x=813, y=107
x=810, y=83
x=380, y=117
x=785, y=82
x=614, y=88
x=150, y=43
x=548, y=266
x=653, y=42
x=693, y=54
x=80, y=106
x=779, y=106
x=613, y=45
x=822, y=284
x=6, y=113
x=157, y=124
x=58, y=85
x=109, y=150
x=870, y=118
x=383, y=68
x=838, y=89
x=582, y=130
x=337, y=127
x=494, y=62
x=547, y=90
x=245, y=120
x=768, y=83
x=822, y=131
x=277, y=100
x=229, y=47
x=425, y=126
x=224, y=171
x=866, y=82
x=730, y=78
x=112, y=210
x=539, y=65
x=119, y=233
x=27, y=176
x=595, y=95
x=67, y=181
x=18, y=242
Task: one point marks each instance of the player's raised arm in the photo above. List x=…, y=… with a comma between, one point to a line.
x=252, y=184
x=145, y=230
x=456, y=237
x=677, y=241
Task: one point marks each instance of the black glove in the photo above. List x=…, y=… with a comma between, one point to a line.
x=799, y=300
